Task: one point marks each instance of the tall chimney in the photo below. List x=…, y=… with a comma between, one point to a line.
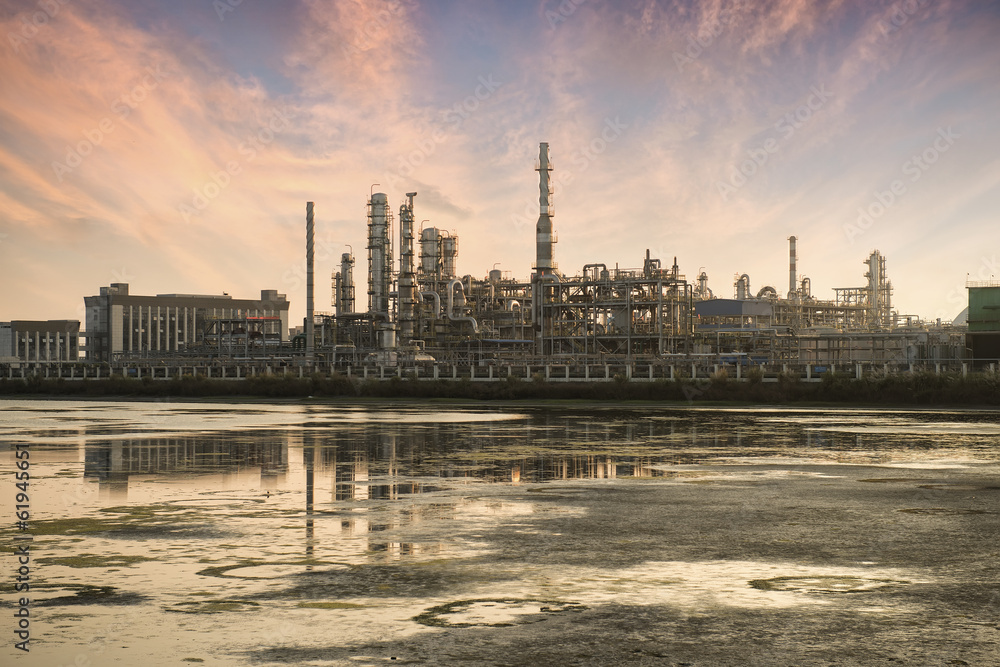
x=543, y=232
x=310, y=246
x=792, y=286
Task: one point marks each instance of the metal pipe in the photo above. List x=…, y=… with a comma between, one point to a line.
x=743, y=287
x=437, y=301
x=537, y=308
x=451, y=305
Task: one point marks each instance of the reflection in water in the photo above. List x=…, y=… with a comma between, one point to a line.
x=370, y=461
x=113, y=462
x=309, y=456
x=382, y=478
x=343, y=513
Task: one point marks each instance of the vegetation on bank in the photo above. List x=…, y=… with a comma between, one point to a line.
x=891, y=389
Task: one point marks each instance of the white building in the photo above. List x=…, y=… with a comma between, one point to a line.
x=119, y=323
x=40, y=341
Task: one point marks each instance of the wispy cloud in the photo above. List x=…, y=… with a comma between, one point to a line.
x=366, y=85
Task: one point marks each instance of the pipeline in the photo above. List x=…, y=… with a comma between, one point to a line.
x=437, y=301
x=451, y=305
x=743, y=287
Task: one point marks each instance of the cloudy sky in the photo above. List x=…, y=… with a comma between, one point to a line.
x=173, y=145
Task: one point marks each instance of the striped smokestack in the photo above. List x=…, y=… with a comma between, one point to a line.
x=310, y=252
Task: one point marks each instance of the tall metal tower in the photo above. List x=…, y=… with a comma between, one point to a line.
x=407, y=271
x=544, y=237
x=379, y=255
x=310, y=246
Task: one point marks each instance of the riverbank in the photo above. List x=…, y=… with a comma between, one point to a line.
x=890, y=389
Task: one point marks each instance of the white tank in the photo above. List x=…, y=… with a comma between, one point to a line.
x=429, y=251
x=379, y=254
x=449, y=253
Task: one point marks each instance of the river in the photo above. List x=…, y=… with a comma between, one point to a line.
x=337, y=533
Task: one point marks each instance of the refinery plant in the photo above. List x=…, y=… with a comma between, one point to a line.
x=423, y=310
x=414, y=312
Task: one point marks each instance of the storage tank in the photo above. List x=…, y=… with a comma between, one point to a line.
x=379, y=254
x=449, y=253
x=430, y=252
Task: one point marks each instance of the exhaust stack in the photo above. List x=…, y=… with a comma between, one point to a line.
x=792, y=282
x=310, y=252
x=544, y=238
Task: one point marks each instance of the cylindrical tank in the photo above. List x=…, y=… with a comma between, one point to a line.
x=495, y=276
x=449, y=253
x=792, y=282
x=407, y=272
x=388, y=339
x=429, y=251
x=345, y=298
x=379, y=254
x=743, y=287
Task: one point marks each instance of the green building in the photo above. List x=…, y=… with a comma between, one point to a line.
x=983, y=338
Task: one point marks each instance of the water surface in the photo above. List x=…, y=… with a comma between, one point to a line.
x=337, y=533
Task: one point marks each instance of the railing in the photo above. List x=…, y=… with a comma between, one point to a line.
x=692, y=368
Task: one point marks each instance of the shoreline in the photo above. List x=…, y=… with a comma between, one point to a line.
x=904, y=390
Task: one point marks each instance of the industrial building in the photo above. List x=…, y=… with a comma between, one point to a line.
x=47, y=341
x=984, y=321
x=122, y=325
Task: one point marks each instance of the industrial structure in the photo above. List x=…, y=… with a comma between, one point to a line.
x=49, y=341
x=425, y=312
x=983, y=338
x=122, y=325
x=422, y=314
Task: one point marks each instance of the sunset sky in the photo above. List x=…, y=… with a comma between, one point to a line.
x=173, y=145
